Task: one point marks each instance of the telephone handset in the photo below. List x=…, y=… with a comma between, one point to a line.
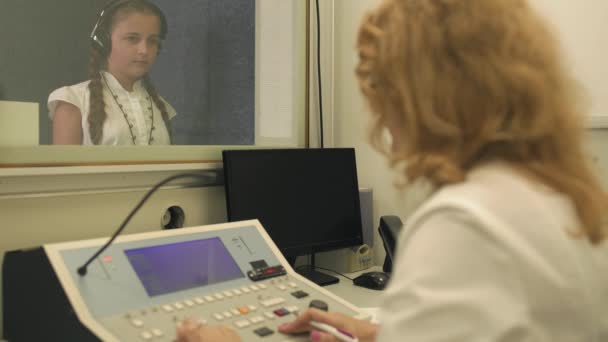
x=389, y=228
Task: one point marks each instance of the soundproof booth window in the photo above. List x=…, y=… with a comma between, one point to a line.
x=215, y=56
x=306, y=199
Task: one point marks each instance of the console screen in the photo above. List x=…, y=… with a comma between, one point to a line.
x=184, y=265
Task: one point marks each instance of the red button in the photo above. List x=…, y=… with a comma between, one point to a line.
x=281, y=312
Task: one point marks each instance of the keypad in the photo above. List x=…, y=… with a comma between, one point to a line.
x=146, y=335
x=137, y=323
x=239, y=308
x=264, y=331
x=281, y=312
x=299, y=294
x=157, y=332
x=242, y=323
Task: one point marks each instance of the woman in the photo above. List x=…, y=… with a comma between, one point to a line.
x=118, y=105
x=509, y=245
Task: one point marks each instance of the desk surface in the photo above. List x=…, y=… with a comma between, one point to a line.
x=359, y=296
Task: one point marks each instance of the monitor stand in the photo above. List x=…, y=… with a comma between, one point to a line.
x=315, y=276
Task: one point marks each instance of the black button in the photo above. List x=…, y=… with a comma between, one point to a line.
x=264, y=331
x=299, y=294
x=318, y=304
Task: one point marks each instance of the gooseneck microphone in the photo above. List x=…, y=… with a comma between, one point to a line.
x=82, y=270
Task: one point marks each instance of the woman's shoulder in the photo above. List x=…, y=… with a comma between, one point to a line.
x=492, y=186
x=502, y=201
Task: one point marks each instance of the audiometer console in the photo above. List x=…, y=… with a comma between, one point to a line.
x=142, y=285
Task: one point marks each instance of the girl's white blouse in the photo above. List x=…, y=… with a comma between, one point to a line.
x=138, y=106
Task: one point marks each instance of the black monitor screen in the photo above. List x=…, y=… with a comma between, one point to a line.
x=306, y=199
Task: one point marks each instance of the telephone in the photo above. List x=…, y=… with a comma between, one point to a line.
x=389, y=228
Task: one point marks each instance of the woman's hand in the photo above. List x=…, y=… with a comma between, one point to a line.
x=191, y=331
x=363, y=330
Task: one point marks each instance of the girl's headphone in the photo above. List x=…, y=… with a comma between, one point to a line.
x=101, y=34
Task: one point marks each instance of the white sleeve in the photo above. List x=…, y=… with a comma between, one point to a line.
x=453, y=282
x=69, y=94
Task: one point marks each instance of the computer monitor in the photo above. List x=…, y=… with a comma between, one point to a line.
x=306, y=199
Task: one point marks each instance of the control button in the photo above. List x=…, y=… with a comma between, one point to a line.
x=218, y=296
x=227, y=314
x=188, y=302
x=167, y=308
x=252, y=307
x=299, y=294
x=218, y=316
x=199, y=300
x=256, y=319
x=243, y=310
x=269, y=315
x=228, y=294
x=292, y=308
x=281, y=312
x=209, y=299
x=242, y=323
x=292, y=284
x=318, y=304
x=254, y=288
x=157, y=332
x=237, y=292
x=272, y=301
x=146, y=335
x=178, y=305
x=263, y=286
x=264, y=331
x=282, y=287
x=245, y=289
x=138, y=323
x=235, y=312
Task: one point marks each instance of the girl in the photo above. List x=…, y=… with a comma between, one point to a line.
x=118, y=105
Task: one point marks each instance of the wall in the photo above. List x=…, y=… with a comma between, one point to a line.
x=38, y=209
x=350, y=117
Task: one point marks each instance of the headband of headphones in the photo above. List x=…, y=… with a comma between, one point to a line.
x=101, y=35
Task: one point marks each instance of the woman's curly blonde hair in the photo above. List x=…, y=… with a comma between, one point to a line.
x=461, y=82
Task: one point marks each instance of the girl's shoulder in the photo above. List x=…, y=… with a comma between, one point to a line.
x=75, y=94
x=76, y=89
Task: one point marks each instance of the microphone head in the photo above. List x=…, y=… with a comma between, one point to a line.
x=82, y=270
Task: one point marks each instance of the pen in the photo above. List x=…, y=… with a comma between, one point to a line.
x=337, y=333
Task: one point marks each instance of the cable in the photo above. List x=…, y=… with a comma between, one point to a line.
x=319, y=74
x=324, y=269
x=82, y=270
